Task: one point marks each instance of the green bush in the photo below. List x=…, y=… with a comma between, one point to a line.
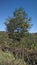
x=6, y=58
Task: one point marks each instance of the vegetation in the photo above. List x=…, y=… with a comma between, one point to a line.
x=19, y=25
x=17, y=45
x=31, y=41
x=6, y=58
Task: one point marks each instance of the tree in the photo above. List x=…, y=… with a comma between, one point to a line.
x=19, y=25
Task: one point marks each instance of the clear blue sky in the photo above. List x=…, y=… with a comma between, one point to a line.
x=8, y=6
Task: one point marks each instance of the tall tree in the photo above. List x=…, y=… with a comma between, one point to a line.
x=19, y=25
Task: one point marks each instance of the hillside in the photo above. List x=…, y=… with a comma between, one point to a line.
x=13, y=53
x=30, y=39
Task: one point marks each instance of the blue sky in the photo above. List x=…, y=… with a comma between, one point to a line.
x=7, y=7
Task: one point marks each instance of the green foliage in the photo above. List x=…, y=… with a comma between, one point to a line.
x=18, y=25
x=17, y=30
x=28, y=42
x=6, y=58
